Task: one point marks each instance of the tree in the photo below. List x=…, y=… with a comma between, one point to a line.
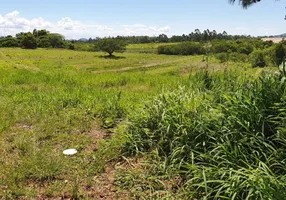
x=245, y=3
x=111, y=45
x=163, y=38
x=29, y=41
x=56, y=40
x=40, y=33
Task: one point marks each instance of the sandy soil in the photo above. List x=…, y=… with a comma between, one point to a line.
x=275, y=40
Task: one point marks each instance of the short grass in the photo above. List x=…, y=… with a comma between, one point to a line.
x=51, y=100
x=144, y=48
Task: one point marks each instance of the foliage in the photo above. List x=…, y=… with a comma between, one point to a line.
x=195, y=36
x=111, y=45
x=279, y=54
x=39, y=38
x=9, y=41
x=217, y=46
x=56, y=40
x=28, y=41
x=245, y=3
x=185, y=48
x=258, y=59
x=222, y=57
x=44, y=42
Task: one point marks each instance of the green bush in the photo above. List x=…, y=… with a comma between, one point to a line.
x=185, y=48
x=29, y=41
x=168, y=49
x=245, y=49
x=235, y=57
x=238, y=57
x=258, y=59
x=44, y=43
x=9, y=42
x=224, y=46
x=279, y=54
x=222, y=57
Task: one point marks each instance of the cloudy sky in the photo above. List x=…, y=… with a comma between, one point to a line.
x=92, y=18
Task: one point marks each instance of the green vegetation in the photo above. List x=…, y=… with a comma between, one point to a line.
x=195, y=36
x=159, y=126
x=39, y=38
x=111, y=45
x=28, y=41
x=259, y=53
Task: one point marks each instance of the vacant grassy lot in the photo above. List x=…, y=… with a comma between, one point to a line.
x=129, y=117
x=52, y=100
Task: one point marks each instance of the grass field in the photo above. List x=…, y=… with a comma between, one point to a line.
x=112, y=110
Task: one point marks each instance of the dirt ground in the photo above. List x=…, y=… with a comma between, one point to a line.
x=275, y=40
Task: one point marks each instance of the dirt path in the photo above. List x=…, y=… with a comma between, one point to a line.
x=103, y=186
x=154, y=64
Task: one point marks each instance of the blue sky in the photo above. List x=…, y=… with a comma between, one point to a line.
x=92, y=18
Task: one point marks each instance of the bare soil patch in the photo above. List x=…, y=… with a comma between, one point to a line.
x=275, y=40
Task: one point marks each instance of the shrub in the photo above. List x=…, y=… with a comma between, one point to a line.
x=235, y=57
x=245, y=49
x=258, y=59
x=9, y=42
x=168, y=49
x=222, y=57
x=224, y=46
x=44, y=43
x=238, y=57
x=184, y=48
x=279, y=54
x=29, y=41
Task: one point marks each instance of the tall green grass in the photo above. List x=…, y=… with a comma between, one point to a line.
x=224, y=135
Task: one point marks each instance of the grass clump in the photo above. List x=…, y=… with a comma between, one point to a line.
x=225, y=142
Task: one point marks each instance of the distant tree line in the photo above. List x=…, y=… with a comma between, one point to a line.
x=245, y=46
x=35, y=39
x=195, y=36
x=45, y=39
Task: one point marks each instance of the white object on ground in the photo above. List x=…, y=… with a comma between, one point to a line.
x=70, y=152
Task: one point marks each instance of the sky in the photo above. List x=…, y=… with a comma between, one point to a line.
x=93, y=18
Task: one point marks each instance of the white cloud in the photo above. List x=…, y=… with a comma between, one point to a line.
x=68, y=24
x=13, y=23
x=140, y=29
